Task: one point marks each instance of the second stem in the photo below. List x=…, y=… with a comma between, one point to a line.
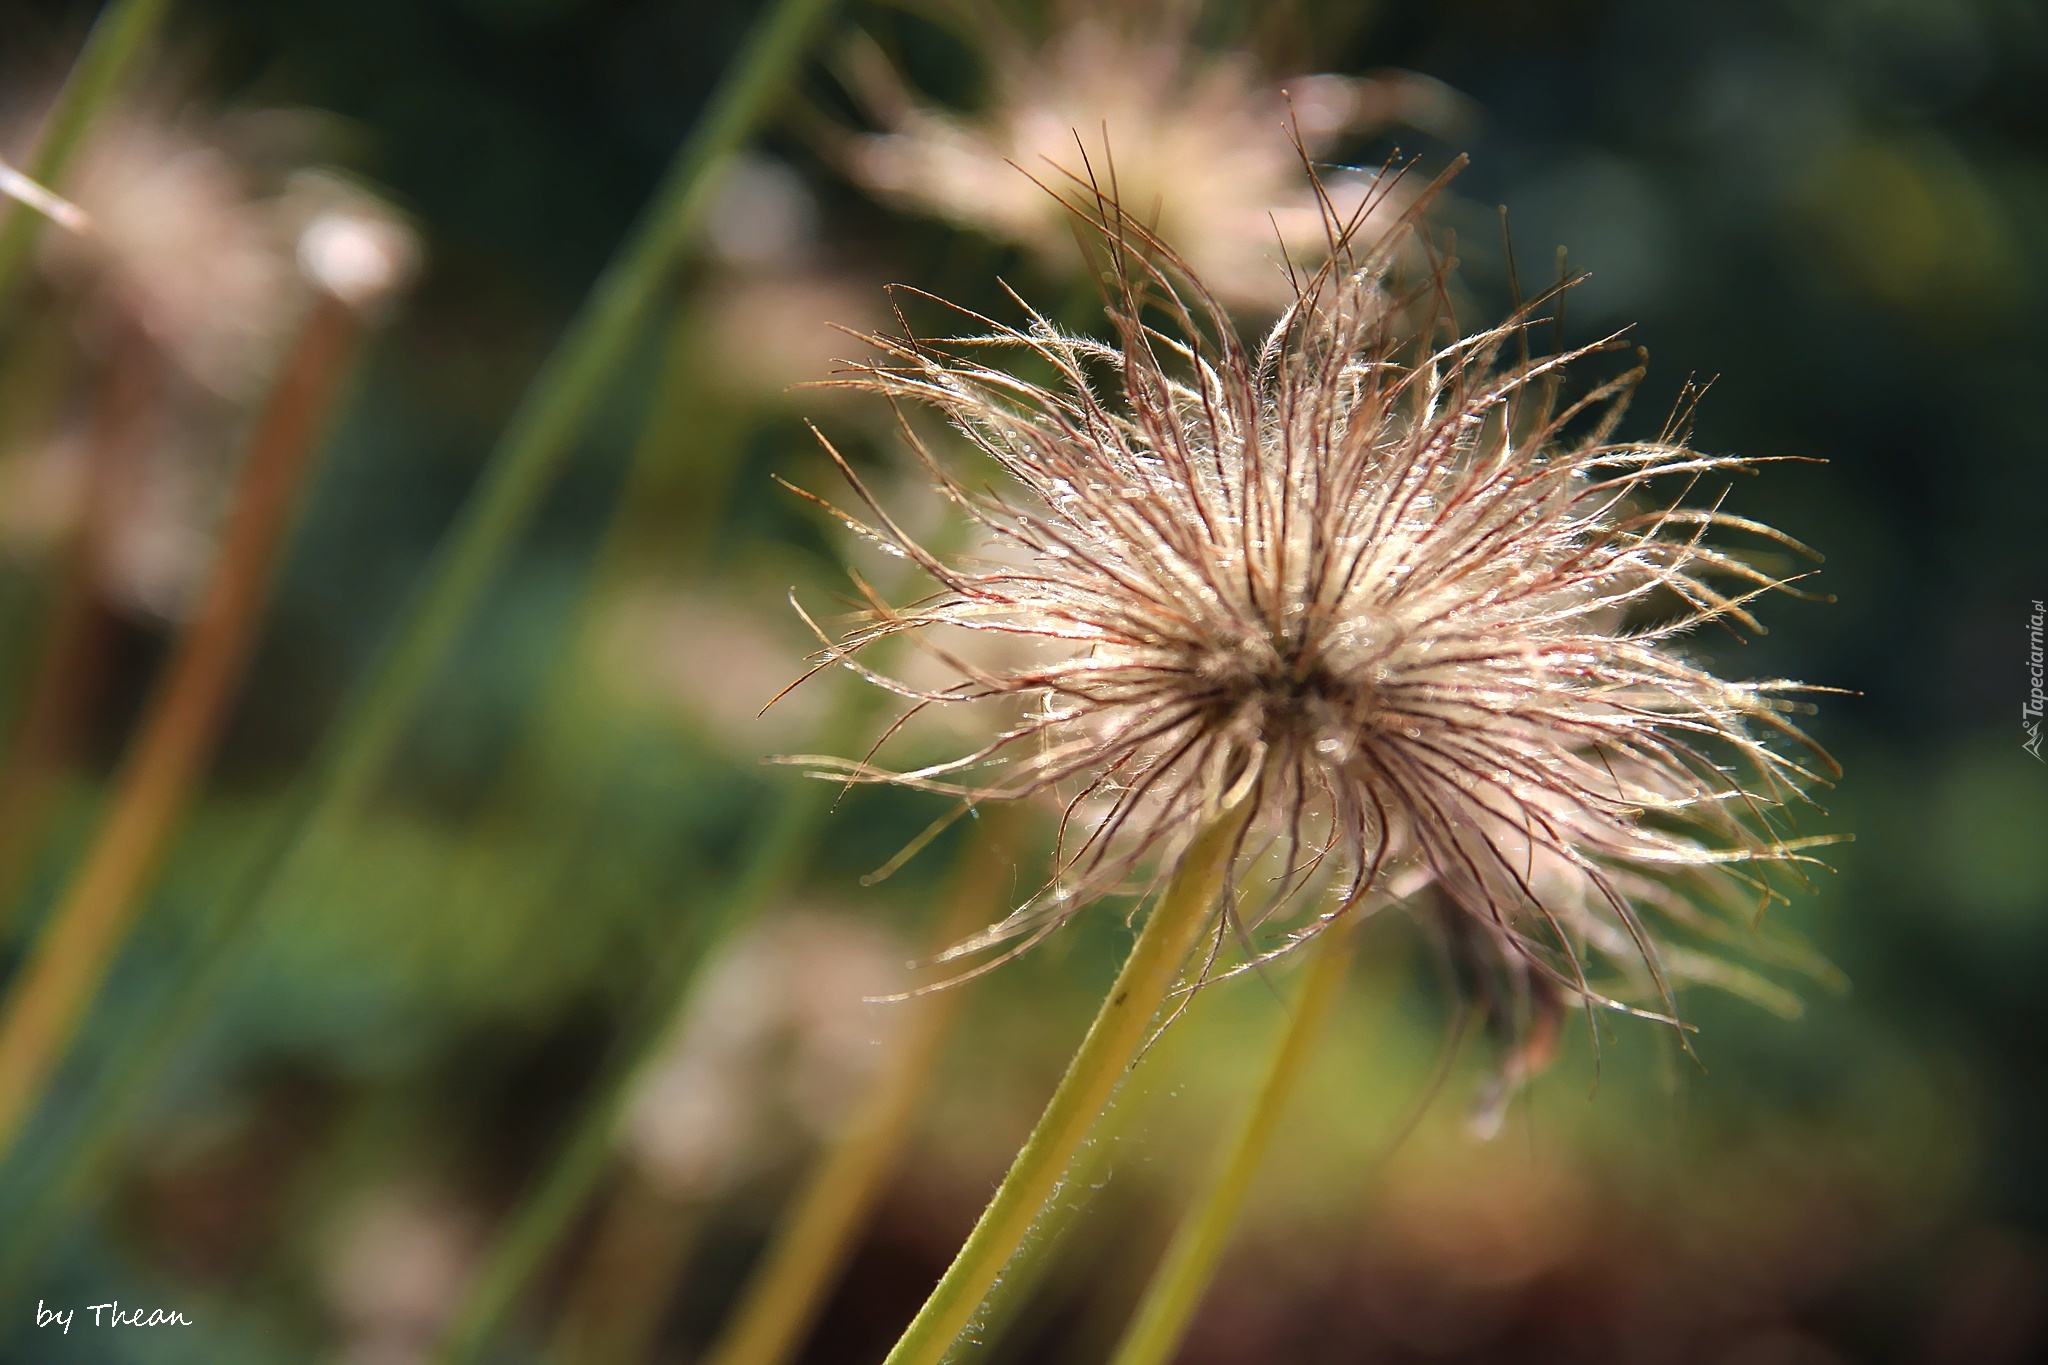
x=1106, y=1053
x=1197, y=1249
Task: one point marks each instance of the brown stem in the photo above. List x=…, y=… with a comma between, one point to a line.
x=179, y=729
x=1179, y=917
x=70, y=671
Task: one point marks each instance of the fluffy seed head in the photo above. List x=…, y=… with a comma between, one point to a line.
x=1379, y=578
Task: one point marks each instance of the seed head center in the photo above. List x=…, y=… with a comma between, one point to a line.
x=1291, y=693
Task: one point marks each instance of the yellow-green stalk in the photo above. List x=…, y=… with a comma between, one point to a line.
x=522, y=467
x=563, y=1189
x=70, y=656
x=786, y=1292
x=1183, y=1277
x=1184, y=911
x=1372, y=586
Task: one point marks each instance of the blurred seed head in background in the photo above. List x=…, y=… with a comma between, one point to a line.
x=396, y=1261
x=1196, y=145
x=779, y=295
x=188, y=248
x=208, y=245
x=1838, y=208
x=778, y=1045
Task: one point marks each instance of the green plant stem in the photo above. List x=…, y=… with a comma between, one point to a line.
x=580, y=1161
x=1198, y=1244
x=640, y=1250
x=1113, y=1041
x=118, y=37
x=1059, y=1259
x=538, y=440
x=788, y=1288
x=768, y=865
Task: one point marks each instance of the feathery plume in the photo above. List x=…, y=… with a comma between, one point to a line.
x=1371, y=574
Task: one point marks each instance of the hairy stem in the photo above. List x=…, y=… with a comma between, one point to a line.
x=1191, y=1259
x=1112, y=1043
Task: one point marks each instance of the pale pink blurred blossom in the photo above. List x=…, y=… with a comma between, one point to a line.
x=396, y=1265
x=1198, y=146
x=780, y=1042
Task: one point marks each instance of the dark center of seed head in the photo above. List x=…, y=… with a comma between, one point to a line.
x=1295, y=691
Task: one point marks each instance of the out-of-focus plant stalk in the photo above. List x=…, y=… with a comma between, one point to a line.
x=118, y=37
x=60, y=690
x=561, y=1193
x=787, y=1290
x=64, y=681
x=522, y=467
x=641, y=1248
x=1183, y=1277
x=180, y=729
x=540, y=436
x=1184, y=910
x=25, y=191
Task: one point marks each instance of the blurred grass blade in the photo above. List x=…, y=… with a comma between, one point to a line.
x=177, y=735
x=537, y=441
x=118, y=37
x=68, y=663
x=630, y=1268
x=1183, y=1277
x=767, y=867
